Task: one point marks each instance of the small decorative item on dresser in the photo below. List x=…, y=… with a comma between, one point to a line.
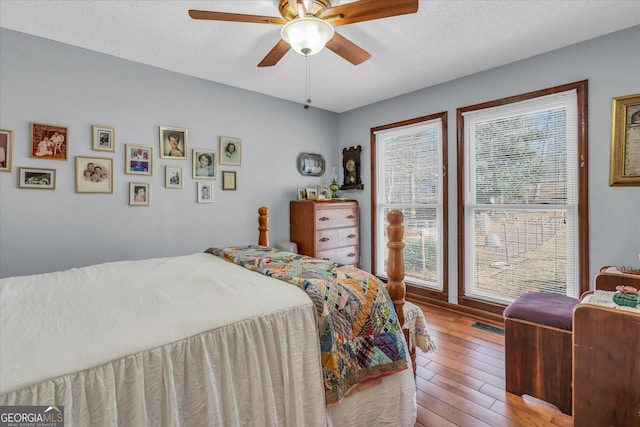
x=351, y=166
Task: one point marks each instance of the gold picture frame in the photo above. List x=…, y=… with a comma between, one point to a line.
x=94, y=175
x=104, y=138
x=138, y=159
x=49, y=142
x=174, y=143
x=6, y=150
x=139, y=193
x=230, y=151
x=37, y=178
x=625, y=141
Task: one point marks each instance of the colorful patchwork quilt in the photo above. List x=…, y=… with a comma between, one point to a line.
x=360, y=337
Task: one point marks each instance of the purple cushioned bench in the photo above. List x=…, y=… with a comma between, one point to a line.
x=538, y=347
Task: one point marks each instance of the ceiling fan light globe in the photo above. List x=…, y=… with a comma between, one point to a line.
x=307, y=36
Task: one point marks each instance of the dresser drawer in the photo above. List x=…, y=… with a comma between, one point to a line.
x=336, y=217
x=347, y=255
x=335, y=237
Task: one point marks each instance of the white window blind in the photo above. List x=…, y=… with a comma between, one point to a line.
x=409, y=178
x=521, y=203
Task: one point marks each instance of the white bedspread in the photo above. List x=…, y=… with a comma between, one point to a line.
x=68, y=321
x=184, y=341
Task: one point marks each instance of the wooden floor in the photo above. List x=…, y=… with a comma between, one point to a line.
x=462, y=383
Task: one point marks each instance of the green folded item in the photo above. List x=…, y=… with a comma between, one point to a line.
x=628, y=300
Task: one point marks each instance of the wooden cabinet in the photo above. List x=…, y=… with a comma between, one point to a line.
x=326, y=229
x=606, y=359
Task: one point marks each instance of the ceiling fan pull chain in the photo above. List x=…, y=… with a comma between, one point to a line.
x=308, y=81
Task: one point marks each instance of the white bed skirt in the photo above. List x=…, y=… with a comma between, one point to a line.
x=255, y=380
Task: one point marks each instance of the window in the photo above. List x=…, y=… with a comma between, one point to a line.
x=523, y=197
x=410, y=176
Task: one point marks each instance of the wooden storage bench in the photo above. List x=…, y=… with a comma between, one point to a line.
x=538, y=347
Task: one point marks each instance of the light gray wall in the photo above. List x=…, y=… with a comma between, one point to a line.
x=611, y=64
x=47, y=82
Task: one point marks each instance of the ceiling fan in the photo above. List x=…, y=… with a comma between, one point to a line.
x=308, y=28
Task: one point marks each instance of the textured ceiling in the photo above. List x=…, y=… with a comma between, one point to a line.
x=446, y=39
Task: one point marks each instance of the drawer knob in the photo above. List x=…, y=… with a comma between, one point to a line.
x=324, y=218
x=351, y=255
x=351, y=217
x=351, y=236
x=324, y=239
x=325, y=259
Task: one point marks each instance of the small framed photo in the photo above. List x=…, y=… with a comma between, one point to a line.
x=625, y=141
x=311, y=164
x=139, y=194
x=230, y=151
x=42, y=179
x=312, y=193
x=174, y=143
x=6, y=150
x=228, y=180
x=204, y=164
x=104, y=138
x=173, y=177
x=138, y=159
x=49, y=141
x=302, y=193
x=324, y=192
x=205, y=192
x=94, y=175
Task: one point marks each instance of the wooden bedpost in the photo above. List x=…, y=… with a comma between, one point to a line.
x=395, y=267
x=263, y=226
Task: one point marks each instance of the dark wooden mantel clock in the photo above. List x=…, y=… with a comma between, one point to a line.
x=351, y=168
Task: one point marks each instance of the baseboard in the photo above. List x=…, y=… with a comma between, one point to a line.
x=479, y=314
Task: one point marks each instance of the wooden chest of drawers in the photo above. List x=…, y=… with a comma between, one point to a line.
x=326, y=229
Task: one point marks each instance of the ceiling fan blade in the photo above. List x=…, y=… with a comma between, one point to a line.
x=348, y=50
x=367, y=10
x=235, y=17
x=298, y=6
x=275, y=54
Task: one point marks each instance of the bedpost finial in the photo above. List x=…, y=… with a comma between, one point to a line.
x=395, y=217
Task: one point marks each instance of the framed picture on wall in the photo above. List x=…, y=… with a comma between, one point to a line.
x=230, y=151
x=173, y=177
x=138, y=159
x=174, y=143
x=204, y=164
x=625, y=141
x=49, y=141
x=38, y=178
x=310, y=164
x=94, y=175
x=205, y=192
x=6, y=150
x=228, y=180
x=139, y=194
x=104, y=138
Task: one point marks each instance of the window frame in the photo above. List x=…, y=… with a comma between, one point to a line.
x=582, y=181
x=413, y=288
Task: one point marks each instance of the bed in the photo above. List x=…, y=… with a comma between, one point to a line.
x=217, y=338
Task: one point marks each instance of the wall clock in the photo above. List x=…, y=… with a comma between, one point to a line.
x=351, y=168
